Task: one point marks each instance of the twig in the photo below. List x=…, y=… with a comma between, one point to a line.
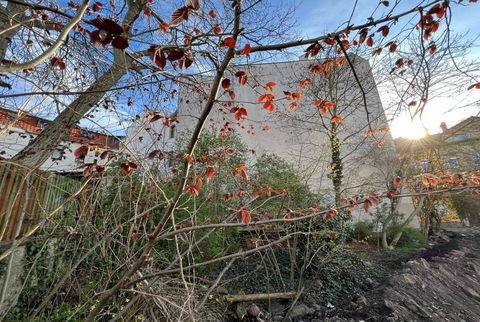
x=215, y=284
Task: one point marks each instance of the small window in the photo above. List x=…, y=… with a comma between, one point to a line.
x=170, y=160
x=172, y=132
x=451, y=162
x=87, y=134
x=11, y=117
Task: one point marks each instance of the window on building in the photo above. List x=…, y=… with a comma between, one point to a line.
x=10, y=117
x=425, y=165
x=172, y=132
x=451, y=162
x=87, y=134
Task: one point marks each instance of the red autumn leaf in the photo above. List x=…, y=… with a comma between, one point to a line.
x=270, y=86
x=244, y=216
x=397, y=181
x=384, y=30
x=240, y=170
x=217, y=29
x=412, y=103
x=432, y=48
x=306, y=82
x=226, y=83
x=475, y=180
x=247, y=49
x=399, y=63
x=329, y=104
x=293, y=106
x=57, y=62
x=377, y=51
x=155, y=153
x=104, y=154
x=97, y=6
x=174, y=54
x=425, y=181
x=332, y=235
x=120, y=42
x=193, y=190
x=476, y=86
x=179, y=15
x=370, y=41
x=81, y=151
x=135, y=236
x=212, y=13
x=367, y=204
x=209, y=173
x=128, y=167
x=147, y=11
x=157, y=56
x=269, y=106
x=242, y=77
x=392, y=47
x=240, y=113
x=228, y=42
x=297, y=95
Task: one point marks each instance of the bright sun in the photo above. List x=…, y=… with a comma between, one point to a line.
x=407, y=128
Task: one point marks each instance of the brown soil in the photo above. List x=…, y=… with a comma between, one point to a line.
x=440, y=284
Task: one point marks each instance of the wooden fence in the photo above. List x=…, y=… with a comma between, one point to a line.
x=27, y=196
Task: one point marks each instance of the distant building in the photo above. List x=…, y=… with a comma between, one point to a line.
x=295, y=135
x=17, y=130
x=455, y=149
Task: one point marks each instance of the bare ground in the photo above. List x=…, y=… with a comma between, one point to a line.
x=440, y=284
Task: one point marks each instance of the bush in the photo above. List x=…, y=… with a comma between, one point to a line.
x=411, y=237
x=363, y=230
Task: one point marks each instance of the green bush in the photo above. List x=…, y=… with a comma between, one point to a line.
x=411, y=237
x=363, y=230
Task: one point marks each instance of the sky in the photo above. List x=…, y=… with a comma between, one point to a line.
x=315, y=17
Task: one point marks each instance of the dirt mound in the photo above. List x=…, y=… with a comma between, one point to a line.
x=440, y=284
x=445, y=288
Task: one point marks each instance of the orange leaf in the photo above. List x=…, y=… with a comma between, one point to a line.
x=293, y=106
x=193, y=190
x=397, y=181
x=240, y=113
x=370, y=41
x=245, y=216
x=247, y=49
x=337, y=119
x=306, y=82
x=217, y=30
x=228, y=42
x=209, y=173
x=212, y=13
x=242, y=77
x=270, y=86
x=425, y=181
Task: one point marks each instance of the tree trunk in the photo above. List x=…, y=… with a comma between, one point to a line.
x=414, y=213
x=40, y=148
x=9, y=16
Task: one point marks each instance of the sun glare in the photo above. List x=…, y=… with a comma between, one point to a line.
x=407, y=128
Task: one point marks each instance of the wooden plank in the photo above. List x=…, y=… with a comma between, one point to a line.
x=6, y=197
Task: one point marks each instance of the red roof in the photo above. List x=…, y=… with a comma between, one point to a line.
x=35, y=125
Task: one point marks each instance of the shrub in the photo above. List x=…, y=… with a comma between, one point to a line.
x=411, y=237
